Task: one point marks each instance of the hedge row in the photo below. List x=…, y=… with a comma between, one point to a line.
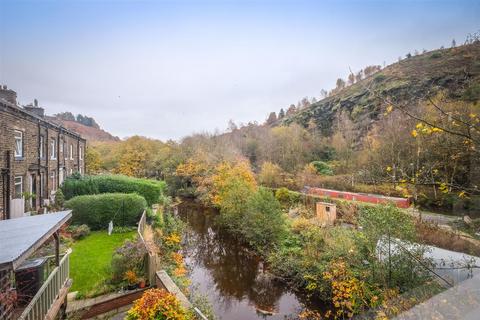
x=151, y=190
x=98, y=210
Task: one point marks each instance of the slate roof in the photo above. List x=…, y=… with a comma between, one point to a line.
x=20, y=237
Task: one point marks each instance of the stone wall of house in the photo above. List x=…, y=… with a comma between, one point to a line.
x=39, y=173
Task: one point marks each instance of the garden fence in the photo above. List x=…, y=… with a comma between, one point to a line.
x=151, y=258
x=49, y=292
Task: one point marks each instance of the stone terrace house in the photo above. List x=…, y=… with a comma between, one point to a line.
x=36, y=155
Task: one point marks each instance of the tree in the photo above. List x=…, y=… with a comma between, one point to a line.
x=285, y=146
x=323, y=93
x=263, y=223
x=65, y=116
x=343, y=140
x=359, y=76
x=92, y=160
x=304, y=103
x=270, y=175
x=232, y=126
x=445, y=155
x=340, y=84
x=351, y=79
x=281, y=114
x=228, y=176
x=454, y=43
x=272, y=118
x=136, y=157
x=87, y=121
x=291, y=110
x=369, y=70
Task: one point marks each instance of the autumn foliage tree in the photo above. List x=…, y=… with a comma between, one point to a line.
x=92, y=160
x=270, y=175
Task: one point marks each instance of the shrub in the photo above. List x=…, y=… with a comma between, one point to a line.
x=75, y=186
x=472, y=93
x=322, y=168
x=117, y=229
x=98, y=210
x=151, y=190
x=287, y=197
x=283, y=196
x=79, y=232
x=158, y=304
x=129, y=257
x=255, y=216
x=380, y=220
x=172, y=228
x=154, y=219
x=435, y=55
x=379, y=77
x=263, y=224
x=59, y=198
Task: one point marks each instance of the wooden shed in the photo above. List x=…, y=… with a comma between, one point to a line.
x=326, y=212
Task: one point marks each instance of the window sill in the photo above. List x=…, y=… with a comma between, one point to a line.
x=19, y=158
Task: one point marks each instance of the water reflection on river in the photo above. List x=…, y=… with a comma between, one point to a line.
x=229, y=275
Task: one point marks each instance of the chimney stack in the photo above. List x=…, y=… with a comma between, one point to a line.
x=35, y=109
x=8, y=94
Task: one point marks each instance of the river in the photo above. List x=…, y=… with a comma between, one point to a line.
x=232, y=277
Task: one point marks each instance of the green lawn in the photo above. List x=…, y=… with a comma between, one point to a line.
x=90, y=260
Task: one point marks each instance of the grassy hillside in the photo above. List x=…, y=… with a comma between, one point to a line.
x=457, y=70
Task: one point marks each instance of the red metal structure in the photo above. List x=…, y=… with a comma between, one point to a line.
x=362, y=197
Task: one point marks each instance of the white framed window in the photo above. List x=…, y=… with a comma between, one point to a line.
x=53, y=151
x=42, y=147
x=18, y=144
x=18, y=186
x=53, y=178
x=71, y=171
x=71, y=151
x=81, y=153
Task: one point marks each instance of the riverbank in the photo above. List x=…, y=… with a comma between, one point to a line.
x=233, y=277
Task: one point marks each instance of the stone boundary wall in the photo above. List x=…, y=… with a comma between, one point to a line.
x=89, y=308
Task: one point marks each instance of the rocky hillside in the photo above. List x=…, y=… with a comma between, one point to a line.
x=91, y=133
x=455, y=70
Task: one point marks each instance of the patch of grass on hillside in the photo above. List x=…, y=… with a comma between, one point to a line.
x=90, y=261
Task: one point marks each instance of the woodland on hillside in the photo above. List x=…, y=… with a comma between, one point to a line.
x=410, y=129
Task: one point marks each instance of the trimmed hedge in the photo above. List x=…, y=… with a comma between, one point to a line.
x=151, y=190
x=96, y=211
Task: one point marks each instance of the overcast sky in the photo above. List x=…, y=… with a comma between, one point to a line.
x=166, y=69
